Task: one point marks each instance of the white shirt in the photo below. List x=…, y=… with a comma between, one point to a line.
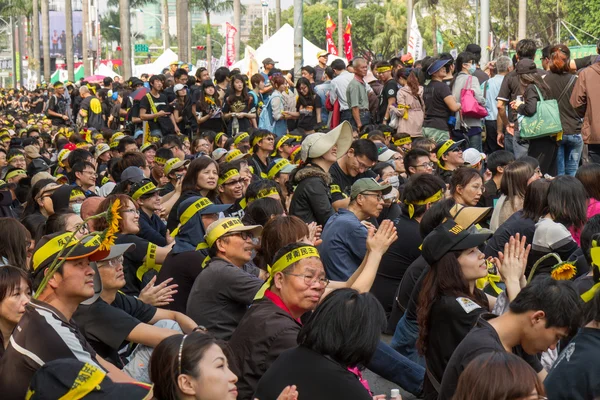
x=339, y=84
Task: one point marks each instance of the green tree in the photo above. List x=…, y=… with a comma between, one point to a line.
x=391, y=40
x=199, y=39
x=209, y=7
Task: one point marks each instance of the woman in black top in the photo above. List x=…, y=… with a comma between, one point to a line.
x=308, y=107
x=561, y=81
x=183, y=111
x=236, y=108
x=208, y=109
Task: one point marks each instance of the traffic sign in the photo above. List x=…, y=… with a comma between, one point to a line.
x=140, y=48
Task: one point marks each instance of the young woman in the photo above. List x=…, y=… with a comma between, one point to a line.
x=543, y=149
x=182, y=112
x=15, y=292
x=308, y=107
x=567, y=206
x=410, y=108
x=466, y=186
x=14, y=244
x=439, y=103
x=66, y=221
x=466, y=66
x=275, y=106
x=517, y=176
x=39, y=202
x=194, y=366
x=236, y=109
x=208, y=109
x=450, y=302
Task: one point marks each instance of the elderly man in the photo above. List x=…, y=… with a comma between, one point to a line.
x=356, y=94
x=223, y=291
x=345, y=234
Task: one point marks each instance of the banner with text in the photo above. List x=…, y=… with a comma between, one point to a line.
x=230, y=44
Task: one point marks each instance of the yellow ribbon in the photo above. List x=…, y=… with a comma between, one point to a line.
x=284, y=262
x=228, y=175
x=225, y=226
x=88, y=379
x=143, y=190
x=240, y=137
x=364, y=136
x=277, y=167
x=218, y=138
x=411, y=206
x=14, y=173
x=381, y=70
x=160, y=160
x=149, y=262
x=444, y=147
x=189, y=212
x=402, y=141
x=336, y=189
x=404, y=107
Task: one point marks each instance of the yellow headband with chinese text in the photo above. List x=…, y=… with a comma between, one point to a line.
x=143, y=190
x=411, y=206
x=14, y=173
x=444, y=148
x=381, y=70
x=403, y=141
x=189, y=212
x=228, y=175
x=224, y=227
x=277, y=167
x=240, y=137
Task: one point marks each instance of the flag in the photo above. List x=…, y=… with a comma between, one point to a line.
x=348, y=41
x=329, y=29
x=415, y=42
x=230, y=44
x=440, y=41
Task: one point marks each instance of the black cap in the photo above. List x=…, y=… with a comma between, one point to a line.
x=451, y=236
x=69, y=378
x=37, y=165
x=526, y=66
x=473, y=48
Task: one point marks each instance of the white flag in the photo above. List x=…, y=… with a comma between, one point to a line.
x=415, y=42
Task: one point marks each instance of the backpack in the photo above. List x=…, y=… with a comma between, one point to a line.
x=266, y=120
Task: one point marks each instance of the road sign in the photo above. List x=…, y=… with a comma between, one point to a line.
x=140, y=48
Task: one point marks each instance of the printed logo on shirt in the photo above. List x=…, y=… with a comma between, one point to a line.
x=467, y=304
x=391, y=92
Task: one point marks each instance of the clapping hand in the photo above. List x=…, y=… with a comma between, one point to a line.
x=379, y=241
x=288, y=393
x=159, y=295
x=512, y=262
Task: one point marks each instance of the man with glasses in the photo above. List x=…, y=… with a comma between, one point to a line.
x=115, y=322
x=345, y=234
x=417, y=161
x=230, y=184
x=173, y=143
x=450, y=157
x=85, y=177
x=223, y=291
x=263, y=144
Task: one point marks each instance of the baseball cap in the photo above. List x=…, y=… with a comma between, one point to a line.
x=132, y=174
x=218, y=153
x=142, y=188
x=450, y=236
x=32, y=152
x=101, y=149
x=473, y=156
x=269, y=60
x=437, y=65
x=323, y=53
x=174, y=164
x=281, y=166
x=317, y=144
x=368, y=184
x=473, y=48
x=117, y=250
x=228, y=225
x=37, y=165
x=384, y=153
x=69, y=378
x=236, y=154
x=179, y=87
x=138, y=133
x=526, y=66
x=444, y=147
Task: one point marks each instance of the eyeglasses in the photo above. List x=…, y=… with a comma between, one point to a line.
x=90, y=173
x=233, y=183
x=132, y=210
x=243, y=235
x=76, y=201
x=428, y=164
x=179, y=355
x=362, y=165
x=377, y=195
x=81, y=227
x=310, y=280
x=114, y=262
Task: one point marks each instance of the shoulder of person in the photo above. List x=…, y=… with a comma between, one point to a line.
x=463, y=303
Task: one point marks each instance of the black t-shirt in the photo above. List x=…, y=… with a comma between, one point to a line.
x=410, y=287
x=436, y=110
x=237, y=105
x=92, y=106
x=490, y=195
x=58, y=105
x=106, y=326
x=513, y=225
x=450, y=320
x=308, y=114
x=132, y=261
x=390, y=89
x=396, y=261
x=344, y=182
x=161, y=103
x=482, y=339
x=184, y=268
x=39, y=106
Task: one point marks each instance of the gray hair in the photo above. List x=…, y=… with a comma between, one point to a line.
x=503, y=63
x=83, y=89
x=358, y=61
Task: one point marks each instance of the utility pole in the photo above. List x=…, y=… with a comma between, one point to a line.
x=86, y=34
x=126, y=42
x=165, y=26
x=277, y=14
x=35, y=33
x=485, y=32
x=522, y=33
x=409, y=8
x=189, y=36
x=21, y=46
x=182, y=7
x=557, y=22
x=69, y=33
x=237, y=21
x=46, y=39
x=340, y=27
x=298, y=36
x=13, y=52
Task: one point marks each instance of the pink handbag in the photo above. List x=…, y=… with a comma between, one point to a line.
x=469, y=106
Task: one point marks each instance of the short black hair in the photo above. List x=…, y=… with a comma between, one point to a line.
x=590, y=229
x=338, y=65
x=124, y=142
x=172, y=140
x=366, y=148
x=418, y=188
x=165, y=153
x=260, y=184
x=499, y=158
x=567, y=201
x=80, y=166
x=308, y=69
x=179, y=72
x=221, y=74
x=79, y=155
x=107, y=80
x=329, y=72
x=260, y=211
x=559, y=300
x=411, y=156
x=526, y=48
x=546, y=51
x=154, y=78
x=346, y=326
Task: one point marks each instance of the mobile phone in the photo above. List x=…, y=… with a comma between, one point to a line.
x=520, y=98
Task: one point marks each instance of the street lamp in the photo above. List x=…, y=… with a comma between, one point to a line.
x=162, y=23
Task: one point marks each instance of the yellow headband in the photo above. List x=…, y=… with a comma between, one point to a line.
x=233, y=154
x=16, y=156
x=143, y=190
x=411, y=206
x=277, y=167
x=218, y=137
x=75, y=193
x=284, y=262
x=266, y=193
x=189, y=212
x=281, y=141
x=297, y=138
x=444, y=148
x=295, y=154
x=595, y=254
x=82, y=144
x=56, y=244
x=113, y=144
x=381, y=70
x=14, y=173
x=170, y=164
x=403, y=141
x=364, y=136
x=240, y=137
x=222, y=229
x=160, y=160
x=228, y=175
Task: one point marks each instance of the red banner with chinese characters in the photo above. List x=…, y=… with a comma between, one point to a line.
x=230, y=44
x=348, y=41
x=329, y=29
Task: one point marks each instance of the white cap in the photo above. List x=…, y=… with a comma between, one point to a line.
x=473, y=156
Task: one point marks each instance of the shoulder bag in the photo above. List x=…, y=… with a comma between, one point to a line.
x=545, y=121
x=469, y=106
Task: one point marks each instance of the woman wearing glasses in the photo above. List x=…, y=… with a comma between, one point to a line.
x=195, y=367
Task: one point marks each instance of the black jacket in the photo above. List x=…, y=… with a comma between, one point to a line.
x=312, y=196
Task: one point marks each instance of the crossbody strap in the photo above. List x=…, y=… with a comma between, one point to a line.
x=566, y=89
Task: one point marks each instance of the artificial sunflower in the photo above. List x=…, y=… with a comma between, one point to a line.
x=209, y=100
x=563, y=271
x=112, y=217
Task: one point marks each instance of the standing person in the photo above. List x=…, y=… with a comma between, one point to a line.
x=356, y=94
x=585, y=98
x=90, y=110
x=258, y=83
x=466, y=65
x=236, y=108
x=322, y=90
x=57, y=109
x=561, y=81
x=339, y=84
x=308, y=107
x=388, y=95
x=274, y=107
x=155, y=109
x=439, y=103
x=410, y=108
x=544, y=149
x=208, y=109
x=321, y=66
x=491, y=88
x=182, y=112
x=475, y=49
x=308, y=73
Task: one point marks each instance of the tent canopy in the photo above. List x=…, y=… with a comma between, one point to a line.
x=158, y=65
x=280, y=47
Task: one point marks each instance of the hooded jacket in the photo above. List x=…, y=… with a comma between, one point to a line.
x=586, y=99
x=312, y=196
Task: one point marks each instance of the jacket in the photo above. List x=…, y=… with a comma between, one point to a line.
x=312, y=197
x=586, y=99
x=459, y=83
x=415, y=109
x=253, y=352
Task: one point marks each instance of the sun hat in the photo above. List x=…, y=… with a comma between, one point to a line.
x=32, y=152
x=368, y=184
x=101, y=149
x=466, y=216
x=174, y=164
x=41, y=175
x=437, y=65
x=451, y=236
x=317, y=144
x=228, y=225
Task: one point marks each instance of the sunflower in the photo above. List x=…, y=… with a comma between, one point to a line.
x=563, y=271
x=113, y=218
x=209, y=100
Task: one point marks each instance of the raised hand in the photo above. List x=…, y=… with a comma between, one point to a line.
x=159, y=295
x=512, y=262
x=379, y=241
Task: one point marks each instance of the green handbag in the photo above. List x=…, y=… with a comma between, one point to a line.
x=545, y=121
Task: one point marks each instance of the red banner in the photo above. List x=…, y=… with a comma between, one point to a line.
x=230, y=44
x=348, y=41
x=329, y=29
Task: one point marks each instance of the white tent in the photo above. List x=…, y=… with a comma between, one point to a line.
x=280, y=47
x=105, y=70
x=158, y=65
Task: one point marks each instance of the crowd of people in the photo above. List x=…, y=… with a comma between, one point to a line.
x=182, y=236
